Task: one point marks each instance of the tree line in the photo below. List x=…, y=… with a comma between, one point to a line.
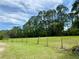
x=53, y=22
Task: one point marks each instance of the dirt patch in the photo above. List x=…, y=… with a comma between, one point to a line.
x=2, y=47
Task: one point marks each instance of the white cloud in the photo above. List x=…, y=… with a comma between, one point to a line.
x=14, y=18
x=27, y=7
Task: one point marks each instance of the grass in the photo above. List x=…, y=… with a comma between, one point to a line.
x=27, y=48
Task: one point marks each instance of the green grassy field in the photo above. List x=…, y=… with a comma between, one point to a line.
x=27, y=48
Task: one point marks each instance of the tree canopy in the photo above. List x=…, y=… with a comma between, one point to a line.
x=52, y=22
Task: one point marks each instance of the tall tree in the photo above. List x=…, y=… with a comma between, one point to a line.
x=62, y=14
x=75, y=7
x=75, y=10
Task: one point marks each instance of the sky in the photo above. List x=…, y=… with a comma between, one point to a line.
x=17, y=12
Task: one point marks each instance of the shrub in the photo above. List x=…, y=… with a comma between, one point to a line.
x=75, y=50
x=1, y=37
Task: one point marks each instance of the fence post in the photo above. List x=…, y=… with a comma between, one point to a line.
x=62, y=43
x=26, y=40
x=76, y=42
x=34, y=57
x=38, y=40
x=46, y=41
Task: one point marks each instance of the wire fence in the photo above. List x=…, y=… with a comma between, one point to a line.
x=57, y=42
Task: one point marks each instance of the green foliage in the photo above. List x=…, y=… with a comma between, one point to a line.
x=1, y=37
x=46, y=23
x=76, y=7
x=49, y=23
x=4, y=35
x=15, y=32
x=75, y=50
x=73, y=31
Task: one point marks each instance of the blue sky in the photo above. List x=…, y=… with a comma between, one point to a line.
x=17, y=12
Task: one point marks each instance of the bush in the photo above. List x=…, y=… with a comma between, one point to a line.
x=75, y=50
x=1, y=37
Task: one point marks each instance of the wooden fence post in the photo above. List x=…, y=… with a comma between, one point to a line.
x=76, y=42
x=26, y=40
x=46, y=41
x=62, y=43
x=38, y=40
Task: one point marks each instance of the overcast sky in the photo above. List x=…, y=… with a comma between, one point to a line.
x=17, y=12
